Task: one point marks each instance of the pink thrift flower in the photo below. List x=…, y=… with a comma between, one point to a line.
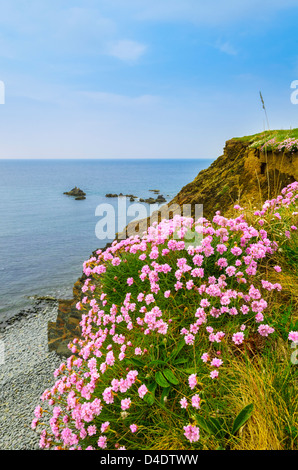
x=167, y=294
x=102, y=442
x=265, y=330
x=183, y=403
x=91, y=430
x=104, y=426
x=238, y=338
x=142, y=390
x=192, y=433
x=192, y=381
x=277, y=269
x=205, y=357
x=293, y=336
x=216, y=362
x=125, y=404
x=133, y=427
x=195, y=401
x=214, y=374
x=130, y=281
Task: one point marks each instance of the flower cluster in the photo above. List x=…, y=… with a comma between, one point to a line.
x=144, y=295
x=269, y=144
x=290, y=145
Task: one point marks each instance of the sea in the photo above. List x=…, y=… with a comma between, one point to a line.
x=45, y=235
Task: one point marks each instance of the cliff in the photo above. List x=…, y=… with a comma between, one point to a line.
x=242, y=174
x=248, y=171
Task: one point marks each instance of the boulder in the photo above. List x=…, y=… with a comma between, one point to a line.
x=76, y=192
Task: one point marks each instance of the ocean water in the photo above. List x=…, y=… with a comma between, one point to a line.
x=45, y=236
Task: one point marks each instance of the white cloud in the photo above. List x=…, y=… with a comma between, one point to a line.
x=126, y=50
x=226, y=47
x=115, y=99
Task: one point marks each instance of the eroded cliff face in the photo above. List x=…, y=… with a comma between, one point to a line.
x=241, y=175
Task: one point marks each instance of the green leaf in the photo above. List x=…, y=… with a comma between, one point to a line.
x=161, y=380
x=165, y=394
x=156, y=362
x=182, y=360
x=169, y=375
x=150, y=397
x=212, y=425
x=177, y=350
x=136, y=362
x=242, y=417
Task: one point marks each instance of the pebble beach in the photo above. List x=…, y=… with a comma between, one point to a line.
x=26, y=370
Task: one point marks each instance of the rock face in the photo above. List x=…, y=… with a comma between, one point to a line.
x=242, y=174
x=67, y=325
x=77, y=193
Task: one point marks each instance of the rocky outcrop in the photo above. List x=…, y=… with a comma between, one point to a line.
x=241, y=175
x=67, y=325
x=150, y=200
x=77, y=193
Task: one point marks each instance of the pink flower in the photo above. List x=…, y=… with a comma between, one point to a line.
x=277, y=269
x=133, y=427
x=104, y=426
x=102, y=442
x=192, y=433
x=142, y=390
x=195, y=401
x=167, y=294
x=265, y=330
x=293, y=336
x=238, y=338
x=91, y=430
x=192, y=381
x=216, y=362
x=183, y=403
x=125, y=404
x=214, y=374
x=205, y=357
x=38, y=412
x=130, y=281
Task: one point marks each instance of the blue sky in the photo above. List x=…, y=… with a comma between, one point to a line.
x=143, y=79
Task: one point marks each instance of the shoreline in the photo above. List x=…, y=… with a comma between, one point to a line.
x=26, y=371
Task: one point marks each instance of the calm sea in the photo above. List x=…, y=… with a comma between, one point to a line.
x=45, y=236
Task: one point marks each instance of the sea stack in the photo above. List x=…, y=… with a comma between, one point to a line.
x=77, y=193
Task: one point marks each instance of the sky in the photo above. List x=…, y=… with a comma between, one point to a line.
x=143, y=78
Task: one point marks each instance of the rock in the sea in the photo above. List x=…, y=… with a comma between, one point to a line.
x=76, y=192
